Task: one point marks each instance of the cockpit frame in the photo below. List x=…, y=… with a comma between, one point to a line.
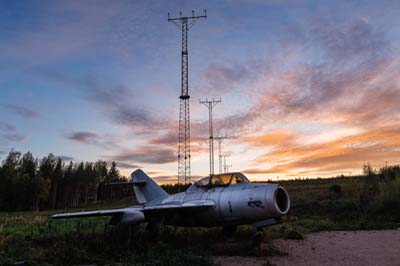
x=221, y=180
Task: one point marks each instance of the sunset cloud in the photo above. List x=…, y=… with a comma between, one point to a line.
x=326, y=90
x=9, y=134
x=271, y=138
x=6, y=127
x=115, y=101
x=90, y=138
x=128, y=166
x=19, y=110
x=117, y=105
x=346, y=153
x=14, y=137
x=226, y=77
x=82, y=136
x=146, y=154
x=311, y=89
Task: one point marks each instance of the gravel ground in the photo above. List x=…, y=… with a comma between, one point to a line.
x=340, y=248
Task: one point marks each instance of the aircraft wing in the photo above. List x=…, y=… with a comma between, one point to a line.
x=93, y=213
x=186, y=205
x=161, y=207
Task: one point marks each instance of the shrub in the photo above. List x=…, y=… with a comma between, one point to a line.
x=388, y=200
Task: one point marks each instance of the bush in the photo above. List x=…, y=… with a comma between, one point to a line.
x=388, y=200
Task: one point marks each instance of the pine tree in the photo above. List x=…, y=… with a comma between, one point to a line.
x=113, y=174
x=10, y=180
x=46, y=170
x=31, y=182
x=55, y=178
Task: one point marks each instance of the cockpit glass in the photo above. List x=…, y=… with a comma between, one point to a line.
x=238, y=178
x=203, y=182
x=220, y=180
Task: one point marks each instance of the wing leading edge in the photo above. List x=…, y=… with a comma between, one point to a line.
x=89, y=214
x=113, y=212
x=186, y=205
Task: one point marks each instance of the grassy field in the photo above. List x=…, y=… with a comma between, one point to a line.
x=322, y=204
x=343, y=204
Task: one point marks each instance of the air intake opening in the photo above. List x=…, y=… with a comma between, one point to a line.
x=282, y=200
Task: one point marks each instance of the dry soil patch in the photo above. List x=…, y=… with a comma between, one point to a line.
x=339, y=248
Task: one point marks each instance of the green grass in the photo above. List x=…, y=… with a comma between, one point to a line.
x=317, y=205
x=34, y=238
x=342, y=204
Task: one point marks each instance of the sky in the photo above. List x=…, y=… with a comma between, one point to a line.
x=308, y=88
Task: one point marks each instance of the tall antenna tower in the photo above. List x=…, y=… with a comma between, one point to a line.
x=220, y=139
x=184, y=23
x=210, y=105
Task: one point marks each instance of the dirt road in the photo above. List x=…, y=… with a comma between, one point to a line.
x=340, y=248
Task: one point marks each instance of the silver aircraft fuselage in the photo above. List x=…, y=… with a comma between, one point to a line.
x=236, y=204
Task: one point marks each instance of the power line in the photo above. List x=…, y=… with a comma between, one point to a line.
x=226, y=166
x=184, y=23
x=210, y=105
x=220, y=139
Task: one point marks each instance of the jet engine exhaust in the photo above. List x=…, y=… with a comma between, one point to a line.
x=282, y=201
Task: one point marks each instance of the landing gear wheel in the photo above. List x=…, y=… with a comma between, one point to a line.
x=257, y=238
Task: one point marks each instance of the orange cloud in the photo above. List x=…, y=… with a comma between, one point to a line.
x=350, y=152
x=271, y=138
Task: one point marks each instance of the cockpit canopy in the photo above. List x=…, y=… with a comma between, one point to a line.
x=222, y=180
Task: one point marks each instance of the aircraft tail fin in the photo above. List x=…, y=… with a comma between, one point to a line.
x=145, y=188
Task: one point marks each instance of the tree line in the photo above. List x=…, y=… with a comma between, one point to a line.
x=27, y=183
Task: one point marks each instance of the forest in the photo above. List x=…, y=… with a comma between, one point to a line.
x=27, y=183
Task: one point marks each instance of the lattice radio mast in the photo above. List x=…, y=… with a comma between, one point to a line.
x=210, y=105
x=184, y=23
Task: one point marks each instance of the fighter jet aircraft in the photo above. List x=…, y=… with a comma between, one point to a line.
x=226, y=200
